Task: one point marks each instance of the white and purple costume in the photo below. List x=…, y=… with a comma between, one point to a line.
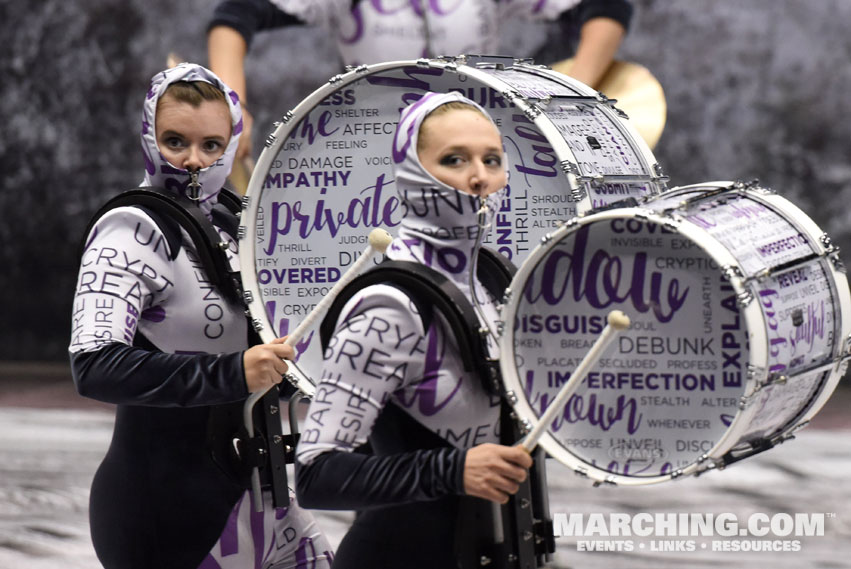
x=390, y=379
x=370, y=31
x=153, y=336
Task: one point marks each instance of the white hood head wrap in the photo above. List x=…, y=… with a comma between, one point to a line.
x=440, y=224
x=158, y=171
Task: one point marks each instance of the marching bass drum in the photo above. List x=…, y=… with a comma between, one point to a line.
x=325, y=178
x=739, y=311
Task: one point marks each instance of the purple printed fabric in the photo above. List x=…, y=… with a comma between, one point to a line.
x=439, y=225
x=129, y=283
x=158, y=171
x=375, y=28
x=380, y=351
x=277, y=538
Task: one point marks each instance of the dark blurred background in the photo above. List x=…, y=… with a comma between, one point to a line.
x=755, y=89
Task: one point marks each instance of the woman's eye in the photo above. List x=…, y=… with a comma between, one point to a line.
x=212, y=145
x=174, y=142
x=493, y=161
x=450, y=160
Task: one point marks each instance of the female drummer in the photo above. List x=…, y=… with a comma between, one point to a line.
x=151, y=335
x=389, y=377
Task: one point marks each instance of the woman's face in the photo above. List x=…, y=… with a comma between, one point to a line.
x=463, y=149
x=190, y=137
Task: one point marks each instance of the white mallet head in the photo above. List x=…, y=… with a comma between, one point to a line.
x=379, y=239
x=618, y=320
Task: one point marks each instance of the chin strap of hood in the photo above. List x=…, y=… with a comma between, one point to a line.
x=203, y=185
x=440, y=224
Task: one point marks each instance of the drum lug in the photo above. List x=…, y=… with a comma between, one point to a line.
x=643, y=215
x=506, y=296
x=532, y=111
x=609, y=481
x=288, y=116
x=572, y=222
x=500, y=328
x=729, y=272
x=257, y=324
x=511, y=396
x=710, y=465
x=838, y=265
x=744, y=298
x=578, y=193
x=659, y=174
x=581, y=471
x=335, y=79
x=361, y=69
x=678, y=473
x=241, y=231
x=754, y=186
x=569, y=167
x=499, y=62
x=827, y=243
x=511, y=95
x=246, y=200
x=671, y=224
x=754, y=371
x=270, y=140
x=525, y=426
x=423, y=62
x=249, y=298
x=846, y=350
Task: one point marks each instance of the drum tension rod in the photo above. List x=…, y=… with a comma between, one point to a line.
x=765, y=273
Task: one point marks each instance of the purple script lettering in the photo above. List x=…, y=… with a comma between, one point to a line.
x=598, y=282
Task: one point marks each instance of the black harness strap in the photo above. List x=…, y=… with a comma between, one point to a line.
x=230, y=446
x=171, y=212
x=429, y=290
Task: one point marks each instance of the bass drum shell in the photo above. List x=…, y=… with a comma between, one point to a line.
x=325, y=178
x=739, y=318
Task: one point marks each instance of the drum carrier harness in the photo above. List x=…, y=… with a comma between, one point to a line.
x=519, y=534
x=232, y=449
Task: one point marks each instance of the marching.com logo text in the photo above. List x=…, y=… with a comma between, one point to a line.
x=670, y=531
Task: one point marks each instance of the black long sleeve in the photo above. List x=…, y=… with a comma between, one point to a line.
x=341, y=480
x=618, y=10
x=251, y=16
x=127, y=375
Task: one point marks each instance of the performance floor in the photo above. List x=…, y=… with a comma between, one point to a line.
x=51, y=441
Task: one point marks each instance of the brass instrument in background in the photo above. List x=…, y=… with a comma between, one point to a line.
x=638, y=94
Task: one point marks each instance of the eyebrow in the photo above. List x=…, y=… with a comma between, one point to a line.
x=181, y=135
x=462, y=147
